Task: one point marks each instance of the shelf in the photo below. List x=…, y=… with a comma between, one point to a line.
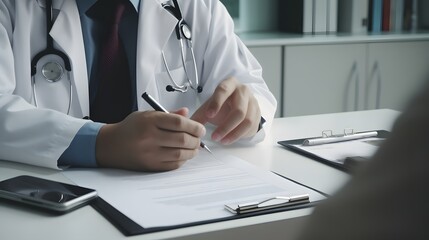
x=259, y=39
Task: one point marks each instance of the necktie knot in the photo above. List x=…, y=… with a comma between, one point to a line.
x=118, y=12
x=108, y=11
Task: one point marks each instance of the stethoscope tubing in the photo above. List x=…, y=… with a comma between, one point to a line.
x=183, y=33
x=33, y=87
x=177, y=87
x=175, y=10
x=50, y=50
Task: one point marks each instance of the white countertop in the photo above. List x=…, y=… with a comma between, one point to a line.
x=17, y=222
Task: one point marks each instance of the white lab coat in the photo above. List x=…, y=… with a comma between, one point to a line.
x=39, y=136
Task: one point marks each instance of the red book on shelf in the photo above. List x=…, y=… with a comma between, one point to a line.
x=386, y=16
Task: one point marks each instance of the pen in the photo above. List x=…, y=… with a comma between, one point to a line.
x=153, y=103
x=342, y=138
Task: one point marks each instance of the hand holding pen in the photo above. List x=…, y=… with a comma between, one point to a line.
x=149, y=141
x=153, y=103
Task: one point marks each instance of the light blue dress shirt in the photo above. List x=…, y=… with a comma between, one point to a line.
x=81, y=152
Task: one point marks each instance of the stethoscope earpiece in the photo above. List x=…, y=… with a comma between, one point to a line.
x=184, y=89
x=170, y=88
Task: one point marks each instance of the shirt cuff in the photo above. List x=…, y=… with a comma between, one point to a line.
x=261, y=123
x=81, y=152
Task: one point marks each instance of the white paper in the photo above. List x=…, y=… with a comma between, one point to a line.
x=195, y=192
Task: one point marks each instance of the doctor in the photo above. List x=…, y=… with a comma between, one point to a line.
x=52, y=71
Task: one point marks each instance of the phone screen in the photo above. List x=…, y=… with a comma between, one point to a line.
x=45, y=193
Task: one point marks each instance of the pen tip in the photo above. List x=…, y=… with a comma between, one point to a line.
x=207, y=148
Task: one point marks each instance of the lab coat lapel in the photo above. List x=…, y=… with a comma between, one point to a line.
x=155, y=28
x=67, y=33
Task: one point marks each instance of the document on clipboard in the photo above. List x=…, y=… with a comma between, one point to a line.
x=208, y=188
x=344, y=151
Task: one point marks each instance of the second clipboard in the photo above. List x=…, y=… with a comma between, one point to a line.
x=347, y=163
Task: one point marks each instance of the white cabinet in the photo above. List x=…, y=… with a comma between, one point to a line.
x=322, y=78
x=270, y=59
x=326, y=78
x=396, y=71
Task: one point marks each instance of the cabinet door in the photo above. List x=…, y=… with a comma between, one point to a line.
x=270, y=60
x=323, y=78
x=396, y=71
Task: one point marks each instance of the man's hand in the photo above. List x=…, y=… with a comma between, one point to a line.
x=149, y=141
x=233, y=109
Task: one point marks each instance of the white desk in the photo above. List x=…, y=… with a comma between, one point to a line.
x=17, y=222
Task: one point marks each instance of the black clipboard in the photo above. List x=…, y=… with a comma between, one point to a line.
x=348, y=166
x=130, y=228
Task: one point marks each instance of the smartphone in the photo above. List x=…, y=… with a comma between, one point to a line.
x=51, y=195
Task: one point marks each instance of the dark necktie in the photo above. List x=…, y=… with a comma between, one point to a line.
x=113, y=99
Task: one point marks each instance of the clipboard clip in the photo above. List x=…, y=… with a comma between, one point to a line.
x=329, y=137
x=275, y=202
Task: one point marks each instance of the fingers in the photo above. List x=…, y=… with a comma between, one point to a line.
x=241, y=122
x=182, y=111
x=200, y=114
x=166, y=166
x=239, y=102
x=233, y=109
x=178, y=140
x=223, y=91
x=149, y=141
x=178, y=123
x=247, y=127
x=172, y=155
x=171, y=159
x=210, y=109
x=166, y=156
x=158, y=141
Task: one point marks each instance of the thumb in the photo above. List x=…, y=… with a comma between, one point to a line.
x=200, y=116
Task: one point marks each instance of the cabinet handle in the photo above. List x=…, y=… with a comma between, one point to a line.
x=353, y=76
x=375, y=74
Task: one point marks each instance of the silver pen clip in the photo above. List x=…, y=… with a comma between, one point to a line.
x=274, y=202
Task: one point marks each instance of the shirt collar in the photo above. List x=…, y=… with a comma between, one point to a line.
x=84, y=5
x=136, y=4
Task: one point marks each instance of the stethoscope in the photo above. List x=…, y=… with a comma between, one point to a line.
x=52, y=71
x=183, y=33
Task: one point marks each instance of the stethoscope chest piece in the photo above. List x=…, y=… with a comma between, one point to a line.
x=52, y=71
x=186, y=31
